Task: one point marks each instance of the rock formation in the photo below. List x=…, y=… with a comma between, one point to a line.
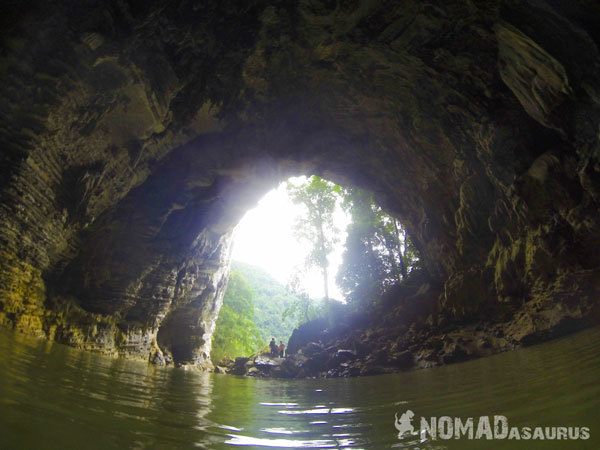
x=135, y=134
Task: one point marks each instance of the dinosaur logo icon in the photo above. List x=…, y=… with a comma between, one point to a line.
x=404, y=424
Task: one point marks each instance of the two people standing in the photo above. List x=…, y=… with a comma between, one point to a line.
x=277, y=350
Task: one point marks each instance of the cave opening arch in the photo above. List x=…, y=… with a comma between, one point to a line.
x=187, y=324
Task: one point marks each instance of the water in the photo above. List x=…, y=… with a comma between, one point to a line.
x=54, y=397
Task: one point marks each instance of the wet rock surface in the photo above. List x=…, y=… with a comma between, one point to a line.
x=136, y=134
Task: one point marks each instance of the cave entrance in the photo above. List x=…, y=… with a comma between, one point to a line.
x=308, y=248
x=268, y=237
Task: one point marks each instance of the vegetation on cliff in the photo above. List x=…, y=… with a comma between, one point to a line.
x=377, y=253
x=255, y=308
x=236, y=332
x=272, y=301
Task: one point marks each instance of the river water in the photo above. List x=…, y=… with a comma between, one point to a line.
x=54, y=397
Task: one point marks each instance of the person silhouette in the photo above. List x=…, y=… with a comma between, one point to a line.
x=273, y=347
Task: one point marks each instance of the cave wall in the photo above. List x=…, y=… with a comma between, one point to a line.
x=135, y=135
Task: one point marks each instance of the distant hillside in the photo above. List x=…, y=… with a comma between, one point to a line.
x=271, y=299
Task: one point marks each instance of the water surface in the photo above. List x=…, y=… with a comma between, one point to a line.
x=55, y=397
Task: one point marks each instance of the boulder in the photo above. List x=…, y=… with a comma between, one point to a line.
x=312, y=348
x=401, y=360
x=345, y=355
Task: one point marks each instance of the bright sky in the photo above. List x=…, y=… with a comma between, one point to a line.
x=265, y=238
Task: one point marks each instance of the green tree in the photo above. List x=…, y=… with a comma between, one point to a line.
x=377, y=252
x=316, y=227
x=236, y=333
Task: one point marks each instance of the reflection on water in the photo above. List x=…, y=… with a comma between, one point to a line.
x=53, y=397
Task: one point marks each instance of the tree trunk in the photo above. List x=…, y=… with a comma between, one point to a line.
x=324, y=260
x=326, y=283
x=401, y=253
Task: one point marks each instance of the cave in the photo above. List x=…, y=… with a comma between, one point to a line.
x=136, y=134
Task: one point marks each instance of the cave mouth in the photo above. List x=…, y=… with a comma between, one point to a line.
x=278, y=283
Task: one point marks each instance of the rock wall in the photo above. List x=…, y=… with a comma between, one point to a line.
x=135, y=134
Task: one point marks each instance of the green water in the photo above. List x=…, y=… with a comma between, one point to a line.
x=53, y=397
